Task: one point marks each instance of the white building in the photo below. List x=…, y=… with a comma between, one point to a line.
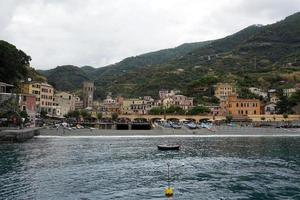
x=258, y=92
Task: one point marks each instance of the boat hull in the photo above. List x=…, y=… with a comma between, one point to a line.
x=168, y=147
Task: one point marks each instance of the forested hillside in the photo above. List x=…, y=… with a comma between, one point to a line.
x=262, y=56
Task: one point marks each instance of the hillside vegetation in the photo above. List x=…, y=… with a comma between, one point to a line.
x=15, y=65
x=261, y=56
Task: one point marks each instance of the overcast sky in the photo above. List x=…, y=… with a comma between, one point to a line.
x=101, y=32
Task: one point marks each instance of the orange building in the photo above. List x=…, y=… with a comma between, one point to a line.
x=236, y=106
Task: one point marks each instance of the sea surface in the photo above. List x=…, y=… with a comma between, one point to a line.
x=132, y=168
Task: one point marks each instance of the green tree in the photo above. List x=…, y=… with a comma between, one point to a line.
x=13, y=63
x=228, y=118
x=114, y=116
x=24, y=115
x=283, y=105
x=73, y=114
x=156, y=111
x=176, y=110
x=197, y=110
x=43, y=113
x=85, y=115
x=99, y=115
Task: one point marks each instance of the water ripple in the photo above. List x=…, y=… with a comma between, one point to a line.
x=133, y=168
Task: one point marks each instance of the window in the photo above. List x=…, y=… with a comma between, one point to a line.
x=24, y=98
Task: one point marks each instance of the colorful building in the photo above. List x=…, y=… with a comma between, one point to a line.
x=223, y=90
x=44, y=95
x=27, y=102
x=236, y=107
x=136, y=106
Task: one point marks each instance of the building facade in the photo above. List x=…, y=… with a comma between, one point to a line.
x=289, y=91
x=223, y=90
x=27, y=102
x=136, y=106
x=237, y=107
x=63, y=103
x=43, y=92
x=88, y=94
x=258, y=92
x=6, y=91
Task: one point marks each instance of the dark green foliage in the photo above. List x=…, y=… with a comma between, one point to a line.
x=114, y=116
x=99, y=116
x=244, y=93
x=85, y=115
x=24, y=115
x=43, y=113
x=13, y=63
x=66, y=77
x=198, y=110
x=228, y=118
x=175, y=110
x=73, y=114
x=285, y=104
x=10, y=109
x=156, y=111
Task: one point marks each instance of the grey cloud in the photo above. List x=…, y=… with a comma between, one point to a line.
x=101, y=32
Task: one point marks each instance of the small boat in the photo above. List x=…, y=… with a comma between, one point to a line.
x=166, y=147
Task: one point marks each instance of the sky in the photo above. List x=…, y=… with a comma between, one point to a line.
x=102, y=32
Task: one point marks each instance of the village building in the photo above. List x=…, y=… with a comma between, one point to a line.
x=137, y=106
x=63, y=103
x=274, y=99
x=214, y=110
x=237, y=107
x=183, y=102
x=289, y=91
x=88, y=94
x=5, y=91
x=258, y=92
x=78, y=103
x=27, y=102
x=110, y=105
x=223, y=90
x=44, y=95
x=270, y=109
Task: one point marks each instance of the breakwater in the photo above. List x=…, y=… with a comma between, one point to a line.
x=18, y=135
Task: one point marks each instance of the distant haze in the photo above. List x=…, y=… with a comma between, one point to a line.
x=101, y=32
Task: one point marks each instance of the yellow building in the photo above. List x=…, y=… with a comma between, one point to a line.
x=236, y=106
x=136, y=106
x=43, y=93
x=223, y=90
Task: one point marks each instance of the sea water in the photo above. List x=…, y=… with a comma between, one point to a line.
x=133, y=168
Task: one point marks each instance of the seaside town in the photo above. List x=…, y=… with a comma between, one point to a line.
x=142, y=100
x=40, y=100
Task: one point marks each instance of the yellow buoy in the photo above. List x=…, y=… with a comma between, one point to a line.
x=169, y=192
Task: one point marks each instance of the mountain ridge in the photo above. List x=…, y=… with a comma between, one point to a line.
x=254, y=50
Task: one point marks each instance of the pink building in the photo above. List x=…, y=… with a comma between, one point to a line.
x=27, y=102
